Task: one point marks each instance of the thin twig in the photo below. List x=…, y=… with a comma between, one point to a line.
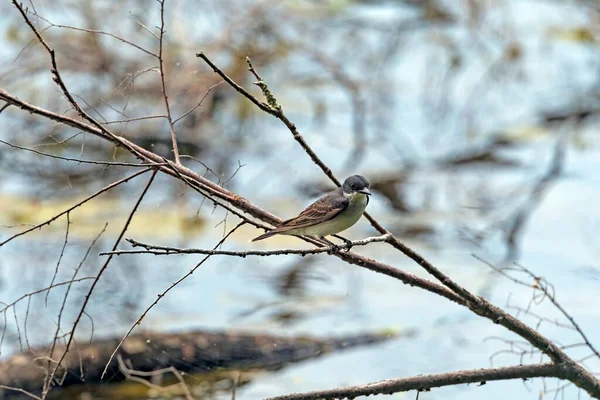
x=123, y=121
x=162, y=81
x=131, y=375
x=166, y=250
x=8, y=305
x=22, y=391
x=60, y=257
x=185, y=114
x=98, y=32
x=104, y=163
x=68, y=210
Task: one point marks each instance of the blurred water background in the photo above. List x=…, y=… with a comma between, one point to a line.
x=475, y=121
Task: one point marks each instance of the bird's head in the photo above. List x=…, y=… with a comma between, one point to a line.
x=356, y=184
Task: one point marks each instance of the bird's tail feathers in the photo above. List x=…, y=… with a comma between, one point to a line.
x=264, y=236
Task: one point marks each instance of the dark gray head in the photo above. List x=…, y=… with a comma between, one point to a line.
x=356, y=184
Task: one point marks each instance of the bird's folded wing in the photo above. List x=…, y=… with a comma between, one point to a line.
x=320, y=211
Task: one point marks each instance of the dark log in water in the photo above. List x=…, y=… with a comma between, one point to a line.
x=190, y=353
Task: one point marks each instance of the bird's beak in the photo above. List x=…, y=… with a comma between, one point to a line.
x=365, y=191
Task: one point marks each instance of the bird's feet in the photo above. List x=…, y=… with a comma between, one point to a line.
x=347, y=242
x=333, y=248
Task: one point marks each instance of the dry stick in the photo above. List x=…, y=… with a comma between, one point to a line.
x=127, y=120
x=23, y=391
x=68, y=210
x=131, y=375
x=185, y=114
x=162, y=81
x=18, y=328
x=578, y=375
x=160, y=296
x=95, y=282
x=426, y=382
x=25, y=323
x=62, y=252
x=349, y=257
x=167, y=250
x=7, y=306
x=104, y=163
x=52, y=25
x=563, y=311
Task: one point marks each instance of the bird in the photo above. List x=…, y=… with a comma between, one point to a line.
x=331, y=214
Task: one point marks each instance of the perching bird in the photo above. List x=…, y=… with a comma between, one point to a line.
x=331, y=214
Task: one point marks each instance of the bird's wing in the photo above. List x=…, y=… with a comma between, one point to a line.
x=322, y=210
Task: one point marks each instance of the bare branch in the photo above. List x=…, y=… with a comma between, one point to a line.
x=69, y=282
x=263, y=106
x=162, y=81
x=60, y=257
x=427, y=382
x=123, y=121
x=98, y=32
x=24, y=392
x=104, y=163
x=166, y=250
x=68, y=210
x=134, y=376
x=199, y=103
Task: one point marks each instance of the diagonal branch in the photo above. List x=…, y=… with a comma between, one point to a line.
x=427, y=382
